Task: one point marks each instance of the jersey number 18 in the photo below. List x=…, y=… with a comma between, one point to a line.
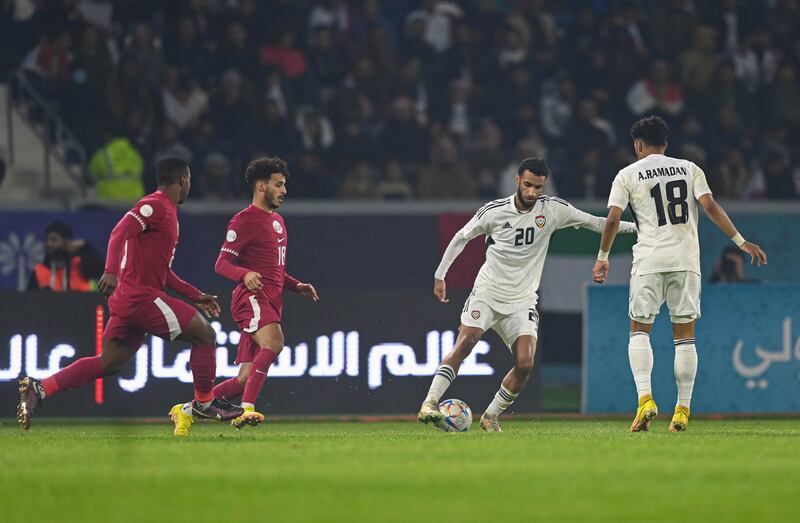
x=281, y=255
x=674, y=202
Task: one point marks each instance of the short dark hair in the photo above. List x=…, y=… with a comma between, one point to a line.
x=537, y=166
x=652, y=130
x=61, y=228
x=263, y=168
x=169, y=170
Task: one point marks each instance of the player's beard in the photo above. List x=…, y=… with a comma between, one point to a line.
x=274, y=201
x=523, y=202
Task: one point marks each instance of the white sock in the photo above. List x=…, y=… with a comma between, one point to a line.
x=685, y=369
x=502, y=400
x=245, y=405
x=187, y=408
x=441, y=381
x=640, y=355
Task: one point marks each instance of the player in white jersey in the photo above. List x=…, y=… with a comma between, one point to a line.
x=662, y=193
x=518, y=230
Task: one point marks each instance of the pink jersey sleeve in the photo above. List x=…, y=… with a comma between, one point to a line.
x=226, y=266
x=236, y=238
x=290, y=282
x=125, y=228
x=182, y=287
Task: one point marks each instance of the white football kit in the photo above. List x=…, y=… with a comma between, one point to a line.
x=662, y=193
x=504, y=294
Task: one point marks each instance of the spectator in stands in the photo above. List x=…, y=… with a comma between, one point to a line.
x=394, y=77
x=360, y=183
x=116, y=169
x=731, y=176
x=394, y=185
x=448, y=176
x=184, y=101
x=69, y=265
x=656, y=93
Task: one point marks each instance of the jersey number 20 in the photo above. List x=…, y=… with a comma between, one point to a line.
x=674, y=202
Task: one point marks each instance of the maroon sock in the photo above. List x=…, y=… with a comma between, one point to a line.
x=258, y=374
x=79, y=373
x=228, y=390
x=203, y=361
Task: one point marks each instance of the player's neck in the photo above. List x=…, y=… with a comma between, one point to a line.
x=262, y=206
x=650, y=150
x=173, y=193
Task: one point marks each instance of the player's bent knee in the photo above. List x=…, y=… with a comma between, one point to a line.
x=524, y=367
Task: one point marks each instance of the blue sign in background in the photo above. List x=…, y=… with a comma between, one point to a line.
x=748, y=346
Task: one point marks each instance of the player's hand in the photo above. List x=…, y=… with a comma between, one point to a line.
x=757, y=254
x=600, y=271
x=440, y=290
x=207, y=303
x=108, y=282
x=308, y=290
x=252, y=280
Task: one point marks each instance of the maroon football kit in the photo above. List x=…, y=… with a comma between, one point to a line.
x=256, y=240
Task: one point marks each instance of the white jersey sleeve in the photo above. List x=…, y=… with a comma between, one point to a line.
x=620, y=192
x=569, y=216
x=699, y=182
x=480, y=223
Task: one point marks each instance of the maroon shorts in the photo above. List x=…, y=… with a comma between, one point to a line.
x=247, y=349
x=252, y=311
x=158, y=314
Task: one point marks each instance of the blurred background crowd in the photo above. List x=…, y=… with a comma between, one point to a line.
x=419, y=99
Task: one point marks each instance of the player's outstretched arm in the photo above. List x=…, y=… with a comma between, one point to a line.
x=454, y=248
x=303, y=289
x=574, y=217
x=126, y=228
x=610, y=229
x=721, y=219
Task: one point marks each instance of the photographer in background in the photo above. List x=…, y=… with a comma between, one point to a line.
x=69, y=264
x=730, y=267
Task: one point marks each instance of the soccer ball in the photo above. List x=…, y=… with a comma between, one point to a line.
x=457, y=416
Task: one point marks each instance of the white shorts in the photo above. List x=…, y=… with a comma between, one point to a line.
x=479, y=313
x=681, y=291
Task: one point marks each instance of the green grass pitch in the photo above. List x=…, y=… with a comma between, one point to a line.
x=546, y=470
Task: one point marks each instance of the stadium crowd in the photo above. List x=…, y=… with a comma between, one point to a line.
x=399, y=99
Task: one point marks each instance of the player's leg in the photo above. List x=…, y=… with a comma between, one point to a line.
x=203, y=362
x=683, y=301
x=523, y=350
x=269, y=343
x=645, y=300
x=116, y=353
x=476, y=317
x=230, y=389
x=172, y=319
x=468, y=337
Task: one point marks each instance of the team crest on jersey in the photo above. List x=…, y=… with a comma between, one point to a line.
x=277, y=226
x=476, y=314
x=146, y=210
x=231, y=236
x=540, y=221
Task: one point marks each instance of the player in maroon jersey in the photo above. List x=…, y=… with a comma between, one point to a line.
x=254, y=255
x=138, y=268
